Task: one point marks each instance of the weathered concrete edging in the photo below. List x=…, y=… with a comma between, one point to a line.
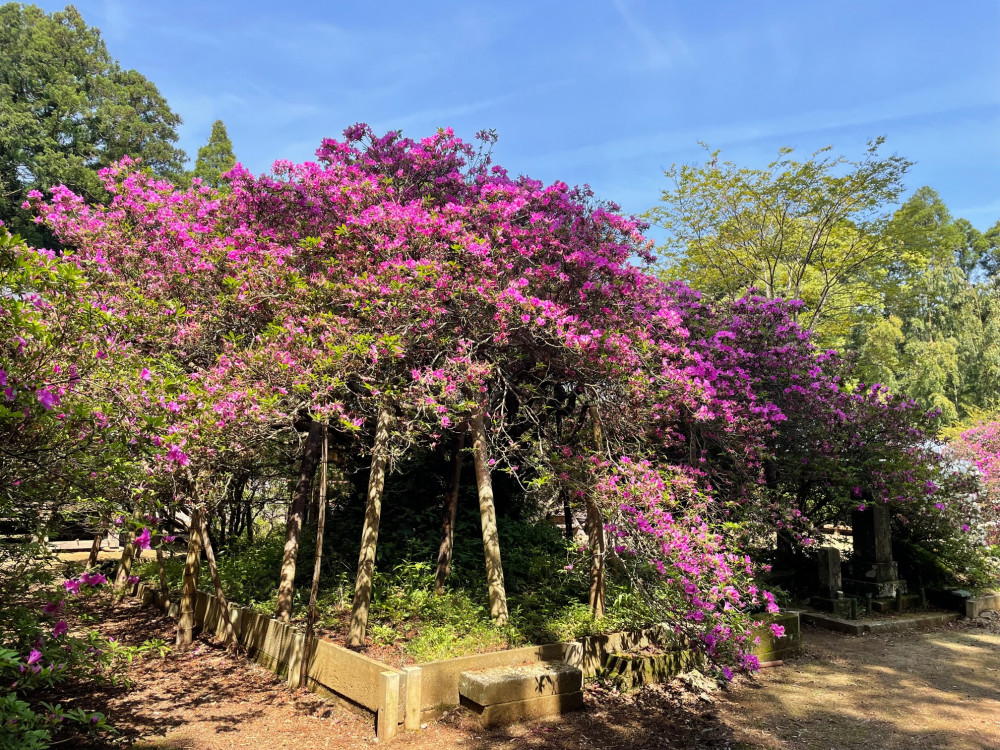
x=333, y=671
x=769, y=647
x=864, y=627
x=964, y=602
x=411, y=695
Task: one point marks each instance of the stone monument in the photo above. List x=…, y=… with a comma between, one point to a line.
x=871, y=569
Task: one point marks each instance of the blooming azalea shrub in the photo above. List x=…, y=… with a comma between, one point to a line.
x=980, y=446
x=418, y=277
x=679, y=561
x=39, y=652
x=828, y=439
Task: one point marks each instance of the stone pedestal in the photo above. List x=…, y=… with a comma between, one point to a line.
x=871, y=569
x=828, y=560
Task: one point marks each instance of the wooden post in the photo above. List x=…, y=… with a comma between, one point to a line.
x=488, y=517
x=369, y=535
x=448, y=516
x=317, y=562
x=413, y=698
x=189, y=592
x=303, y=491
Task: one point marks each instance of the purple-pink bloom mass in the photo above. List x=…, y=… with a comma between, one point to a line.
x=419, y=273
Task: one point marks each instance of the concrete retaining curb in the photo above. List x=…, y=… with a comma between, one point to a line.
x=411, y=695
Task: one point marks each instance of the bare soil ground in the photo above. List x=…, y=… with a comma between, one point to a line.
x=938, y=689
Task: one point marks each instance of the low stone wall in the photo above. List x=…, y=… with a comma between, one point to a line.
x=964, y=602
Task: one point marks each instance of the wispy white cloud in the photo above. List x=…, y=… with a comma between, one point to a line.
x=919, y=104
x=659, y=51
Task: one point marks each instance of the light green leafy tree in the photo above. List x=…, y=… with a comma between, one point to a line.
x=936, y=335
x=812, y=230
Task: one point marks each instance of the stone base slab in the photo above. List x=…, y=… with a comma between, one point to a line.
x=839, y=607
x=878, y=589
x=865, y=627
x=500, y=714
x=487, y=687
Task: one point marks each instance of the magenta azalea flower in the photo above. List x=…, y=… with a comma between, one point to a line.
x=176, y=454
x=53, y=608
x=34, y=657
x=47, y=398
x=60, y=628
x=72, y=585
x=778, y=630
x=143, y=540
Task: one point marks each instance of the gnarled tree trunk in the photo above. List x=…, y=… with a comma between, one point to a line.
x=95, y=548
x=448, y=516
x=488, y=517
x=125, y=566
x=189, y=592
x=595, y=533
x=317, y=563
x=229, y=636
x=303, y=491
x=369, y=535
x=162, y=569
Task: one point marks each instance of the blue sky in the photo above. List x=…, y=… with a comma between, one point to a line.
x=609, y=93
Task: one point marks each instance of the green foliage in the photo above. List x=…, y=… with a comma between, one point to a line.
x=215, y=158
x=935, y=334
x=811, y=230
x=67, y=108
x=37, y=656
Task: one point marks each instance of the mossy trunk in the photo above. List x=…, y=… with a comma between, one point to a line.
x=369, y=535
x=229, y=635
x=595, y=532
x=189, y=591
x=303, y=492
x=596, y=542
x=162, y=570
x=488, y=517
x=449, y=511
x=124, y=567
x=317, y=562
x=95, y=548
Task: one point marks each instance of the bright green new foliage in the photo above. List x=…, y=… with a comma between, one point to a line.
x=811, y=230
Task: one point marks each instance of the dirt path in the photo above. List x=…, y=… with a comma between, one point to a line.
x=938, y=689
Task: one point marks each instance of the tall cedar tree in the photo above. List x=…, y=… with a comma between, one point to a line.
x=67, y=109
x=216, y=157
